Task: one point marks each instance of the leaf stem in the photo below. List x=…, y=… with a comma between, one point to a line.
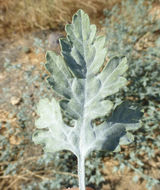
x=81, y=172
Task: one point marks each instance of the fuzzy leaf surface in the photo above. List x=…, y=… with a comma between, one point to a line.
x=83, y=80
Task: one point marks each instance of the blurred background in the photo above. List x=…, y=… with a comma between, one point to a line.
x=28, y=28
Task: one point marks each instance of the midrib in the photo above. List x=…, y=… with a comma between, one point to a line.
x=82, y=128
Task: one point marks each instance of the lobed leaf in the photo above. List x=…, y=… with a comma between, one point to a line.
x=83, y=80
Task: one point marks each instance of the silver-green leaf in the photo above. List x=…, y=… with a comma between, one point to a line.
x=83, y=80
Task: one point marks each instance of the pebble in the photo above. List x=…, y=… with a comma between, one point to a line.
x=15, y=100
x=26, y=50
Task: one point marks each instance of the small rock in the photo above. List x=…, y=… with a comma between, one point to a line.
x=15, y=100
x=26, y=50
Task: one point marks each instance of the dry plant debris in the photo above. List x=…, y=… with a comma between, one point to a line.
x=20, y=16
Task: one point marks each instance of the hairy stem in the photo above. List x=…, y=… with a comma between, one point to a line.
x=81, y=172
